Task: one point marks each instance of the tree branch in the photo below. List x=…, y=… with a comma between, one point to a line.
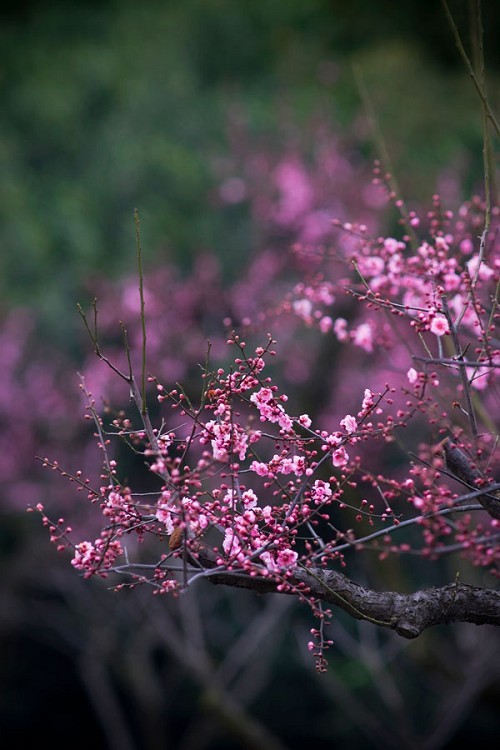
x=408, y=614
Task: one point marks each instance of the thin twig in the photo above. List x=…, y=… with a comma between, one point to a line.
x=470, y=69
x=143, y=318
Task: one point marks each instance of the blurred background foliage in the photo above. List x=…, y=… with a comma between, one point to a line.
x=108, y=106
x=113, y=105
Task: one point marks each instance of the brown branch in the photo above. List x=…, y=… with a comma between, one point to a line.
x=408, y=614
x=463, y=468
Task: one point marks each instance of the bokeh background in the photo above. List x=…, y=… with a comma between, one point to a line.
x=235, y=128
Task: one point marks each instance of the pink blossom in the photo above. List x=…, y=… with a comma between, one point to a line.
x=321, y=492
x=349, y=423
x=164, y=515
x=84, y=555
x=452, y=281
x=303, y=308
x=372, y=265
x=478, y=377
x=295, y=464
x=363, y=337
x=225, y=438
x=284, y=559
x=114, y=500
x=325, y=324
x=340, y=329
x=323, y=293
x=270, y=410
x=368, y=400
x=296, y=191
x=439, y=325
x=260, y=468
x=476, y=267
x=267, y=513
x=412, y=376
x=231, y=544
x=340, y=457
x=392, y=245
x=287, y=558
x=466, y=246
x=262, y=397
x=249, y=499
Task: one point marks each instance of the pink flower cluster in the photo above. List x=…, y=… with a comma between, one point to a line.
x=250, y=485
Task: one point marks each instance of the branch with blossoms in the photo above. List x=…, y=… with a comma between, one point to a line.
x=251, y=496
x=252, y=493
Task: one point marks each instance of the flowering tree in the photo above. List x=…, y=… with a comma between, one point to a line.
x=401, y=458
x=251, y=494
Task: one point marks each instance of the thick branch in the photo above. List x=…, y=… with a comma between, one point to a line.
x=408, y=614
x=462, y=467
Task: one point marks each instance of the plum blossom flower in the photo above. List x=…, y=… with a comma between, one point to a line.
x=340, y=329
x=466, y=246
x=231, y=544
x=412, y=376
x=340, y=457
x=280, y=465
x=439, y=325
x=325, y=324
x=479, y=268
x=165, y=512
x=371, y=265
x=303, y=309
x=349, y=423
x=321, y=491
x=478, y=377
x=270, y=410
x=249, y=499
x=363, y=337
x=368, y=400
x=225, y=437
x=287, y=558
x=284, y=559
x=260, y=468
x=84, y=555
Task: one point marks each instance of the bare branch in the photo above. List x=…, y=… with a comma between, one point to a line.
x=408, y=614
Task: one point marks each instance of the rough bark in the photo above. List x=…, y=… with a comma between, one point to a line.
x=408, y=614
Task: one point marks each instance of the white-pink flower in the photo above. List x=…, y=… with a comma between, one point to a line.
x=368, y=400
x=164, y=515
x=340, y=329
x=321, y=492
x=303, y=308
x=325, y=324
x=412, y=376
x=349, y=423
x=84, y=553
x=478, y=268
x=439, y=325
x=363, y=337
x=260, y=468
x=231, y=544
x=340, y=457
x=249, y=499
x=285, y=559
